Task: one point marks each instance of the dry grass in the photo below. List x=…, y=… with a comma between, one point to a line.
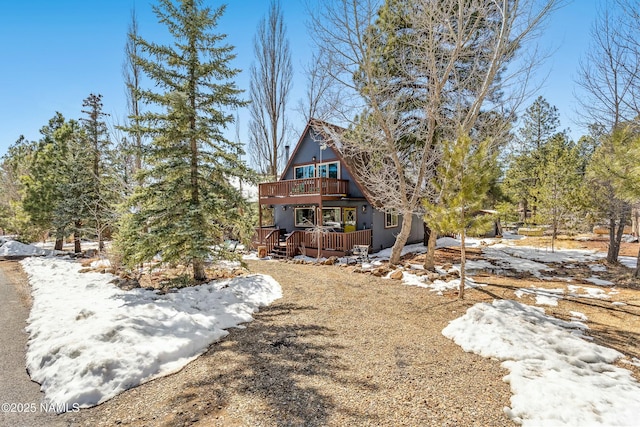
x=615, y=326
x=17, y=276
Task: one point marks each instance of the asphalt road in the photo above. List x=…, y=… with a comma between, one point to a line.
x=20, y=398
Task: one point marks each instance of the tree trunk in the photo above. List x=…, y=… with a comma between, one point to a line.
x=76, y=238
x=198, y=270
x=523, y=212
x=427, y=234
x=463, y=260
x=430, y=256
x=636, y=273
x=554, y=233
x=615, y=238
x=59, y=239
x=401, y=239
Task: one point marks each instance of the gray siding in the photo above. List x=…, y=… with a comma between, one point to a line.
x=308, y=148
x=285, y=218
x=386, y=237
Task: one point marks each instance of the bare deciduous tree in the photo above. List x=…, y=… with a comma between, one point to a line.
x=320, y=100
x=418, y=72
x=610, y=73
x=610, y=78
x=269, y=91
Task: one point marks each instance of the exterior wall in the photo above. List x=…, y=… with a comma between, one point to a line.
x=285, y=218
x=386, y=237
x=308, y=148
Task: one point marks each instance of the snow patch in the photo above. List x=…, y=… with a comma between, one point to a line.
x=15, y=248
x=547, y=358
x=89, y=340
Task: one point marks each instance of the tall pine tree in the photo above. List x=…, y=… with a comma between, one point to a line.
x=183, y=210
x=462, y=182
x=558, y=189
x=96, y=139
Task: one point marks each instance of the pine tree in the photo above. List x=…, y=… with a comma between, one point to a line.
x=75, y=183
x=612, y=180
x=462, y=182
x=96, y=138
x=16, y=164
x=42, y=191
x=558, y=189
x=539, y=125
x=183, y=210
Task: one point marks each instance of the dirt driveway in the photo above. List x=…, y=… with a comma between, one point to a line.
x=340, y=349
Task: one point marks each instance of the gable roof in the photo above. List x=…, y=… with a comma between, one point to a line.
x=324, y=128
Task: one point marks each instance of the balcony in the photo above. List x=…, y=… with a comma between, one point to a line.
x=300, y=191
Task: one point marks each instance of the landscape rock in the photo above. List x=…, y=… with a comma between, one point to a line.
x=432, y=275
x=396, y=275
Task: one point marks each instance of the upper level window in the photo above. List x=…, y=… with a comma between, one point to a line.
x=324, y=170
x=306, y=171
x=329, y=170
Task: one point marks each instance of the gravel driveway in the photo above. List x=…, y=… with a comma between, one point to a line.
x=339, y=349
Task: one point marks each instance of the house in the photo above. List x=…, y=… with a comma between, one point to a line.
x=318, y=205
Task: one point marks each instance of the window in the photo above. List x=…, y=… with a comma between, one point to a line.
x=331, y=217
x=390, y=219
x=329, y=170
x=325, y=170
x=302, y=172
x=305, y=217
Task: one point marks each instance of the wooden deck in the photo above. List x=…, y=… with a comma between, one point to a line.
x=299, y=242
x=300, y=191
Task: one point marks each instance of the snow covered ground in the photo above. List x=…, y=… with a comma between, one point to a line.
x=89, y=340
x=15, y=248
x=557, y=377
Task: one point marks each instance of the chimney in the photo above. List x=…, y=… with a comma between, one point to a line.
x=286, y=154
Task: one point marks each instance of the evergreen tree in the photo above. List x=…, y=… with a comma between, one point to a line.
x=101, y=198
x=558, y=190
x=183, y=210
x=612, y=180
x=462, y=182
x=539, y=124
x=75, y=182
x=15, y=165
x=131, y=149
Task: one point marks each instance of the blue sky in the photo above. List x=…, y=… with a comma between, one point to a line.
x=55, y=53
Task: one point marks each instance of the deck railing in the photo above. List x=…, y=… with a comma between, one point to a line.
x=262, y=233
x=294, y=241
x=330, y=241
x=272, y=239
x=342, y=242
x=304, y=187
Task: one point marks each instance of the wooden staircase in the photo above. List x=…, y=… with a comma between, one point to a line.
x=279, y=251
